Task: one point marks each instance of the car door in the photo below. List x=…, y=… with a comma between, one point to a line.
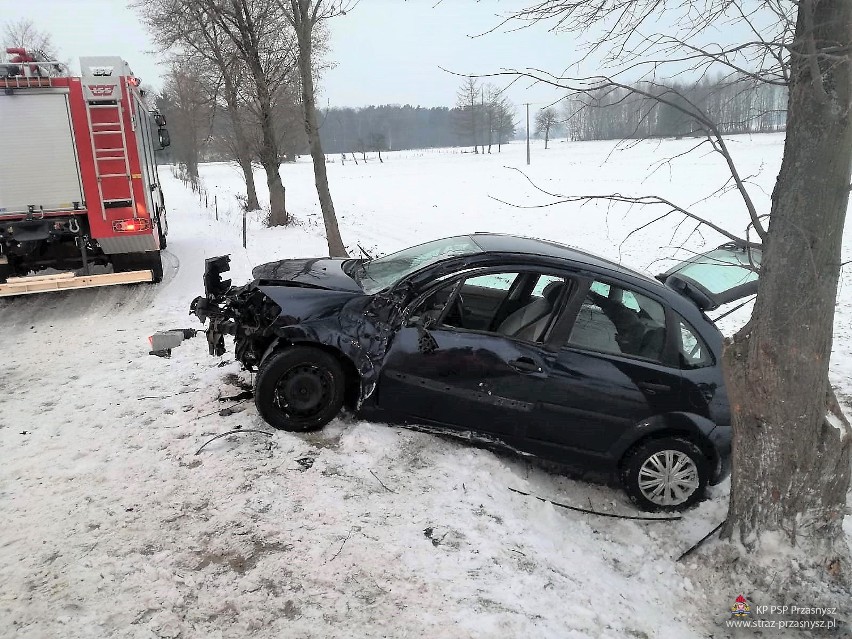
x=609, y=375
x=464, y=378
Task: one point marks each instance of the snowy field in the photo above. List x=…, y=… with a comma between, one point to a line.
x=114, y=527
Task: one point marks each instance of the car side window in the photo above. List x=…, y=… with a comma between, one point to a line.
x=516, y=305
x=620, y=321
x=543, y=282
x=493, y=281
x=693, y=352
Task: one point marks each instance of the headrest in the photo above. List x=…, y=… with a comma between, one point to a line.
x=553, y=290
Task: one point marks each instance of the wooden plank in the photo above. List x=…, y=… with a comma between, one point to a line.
x=59, y=282
x=40, y=278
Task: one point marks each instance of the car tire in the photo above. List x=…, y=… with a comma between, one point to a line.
x=299, y=389
x=646, y=468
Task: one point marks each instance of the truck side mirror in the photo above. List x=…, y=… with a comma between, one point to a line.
x=165, y=140
x=160, y=119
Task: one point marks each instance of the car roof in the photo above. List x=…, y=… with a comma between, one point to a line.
x=501, y=243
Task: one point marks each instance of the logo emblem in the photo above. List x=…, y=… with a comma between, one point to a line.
x=100, y=71
x=740, y=608
x=101, y=89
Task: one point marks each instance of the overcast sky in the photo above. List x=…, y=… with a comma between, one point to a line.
x=386, y=51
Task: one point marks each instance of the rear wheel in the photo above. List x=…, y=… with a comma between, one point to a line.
x=299, y=389
x=162, y=231
x=669, y=473
x=149, y=260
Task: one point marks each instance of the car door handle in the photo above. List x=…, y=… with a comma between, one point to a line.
x=525, y=365
x=652, y=388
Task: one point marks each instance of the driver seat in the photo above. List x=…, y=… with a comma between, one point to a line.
x=529, y=321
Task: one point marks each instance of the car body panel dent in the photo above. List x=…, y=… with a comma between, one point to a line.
x=359, y=327
x=321, y=272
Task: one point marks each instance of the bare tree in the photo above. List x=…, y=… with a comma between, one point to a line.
x=304, y=16
x=545, y=121
x=187, y=26
x=791, y=449
x=190, y=110
x=245, y=40
x=24, y=34
x=504, y=121
x=264, y=46
x=378, y=143
x=469, y=110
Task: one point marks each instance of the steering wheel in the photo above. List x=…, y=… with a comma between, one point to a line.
x=455, y=316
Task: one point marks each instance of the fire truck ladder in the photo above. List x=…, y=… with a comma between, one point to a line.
x=102, y=152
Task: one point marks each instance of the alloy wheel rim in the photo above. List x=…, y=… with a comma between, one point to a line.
x=668, y=478
x=303, y=391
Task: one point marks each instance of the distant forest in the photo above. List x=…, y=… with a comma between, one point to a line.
x=390, y=127
x=742, y=106
x=483, y=120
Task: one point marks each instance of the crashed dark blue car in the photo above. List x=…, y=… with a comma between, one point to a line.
x=540, y=347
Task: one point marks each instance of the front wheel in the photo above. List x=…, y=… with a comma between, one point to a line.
x=669, y=473
x=299, y=389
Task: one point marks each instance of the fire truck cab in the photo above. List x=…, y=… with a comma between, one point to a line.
x=78, y=179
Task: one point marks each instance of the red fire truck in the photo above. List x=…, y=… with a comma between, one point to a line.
x=79, y=189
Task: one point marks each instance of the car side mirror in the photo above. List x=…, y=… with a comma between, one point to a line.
x=165, y=140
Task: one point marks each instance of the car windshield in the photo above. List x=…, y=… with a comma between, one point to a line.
x=384, y=272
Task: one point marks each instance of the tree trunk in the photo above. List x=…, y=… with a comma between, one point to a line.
x=303, y=34
x=241, y=144
x=251, y=190
x=791, y=458
x=269, y=153
x=277, y=196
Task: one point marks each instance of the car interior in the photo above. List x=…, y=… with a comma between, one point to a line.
x=523, y=306
x=615, y=320
x=519, y=305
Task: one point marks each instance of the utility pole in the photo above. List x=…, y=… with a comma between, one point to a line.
x=528, y=132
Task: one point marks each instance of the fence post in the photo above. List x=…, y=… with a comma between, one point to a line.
x=244, y=229
x=216, y=206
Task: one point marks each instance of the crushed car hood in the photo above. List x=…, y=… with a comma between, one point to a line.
x=323, y=272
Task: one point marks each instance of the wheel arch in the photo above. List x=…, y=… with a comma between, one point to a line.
x=694, y=428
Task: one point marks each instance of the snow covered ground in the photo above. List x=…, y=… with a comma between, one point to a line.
x=114, y=527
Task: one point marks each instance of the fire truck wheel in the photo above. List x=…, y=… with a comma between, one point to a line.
x=161, y=234
x=155, y=263
x=124, y=262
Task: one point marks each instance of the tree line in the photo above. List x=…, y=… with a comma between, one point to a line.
x=739, y=105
